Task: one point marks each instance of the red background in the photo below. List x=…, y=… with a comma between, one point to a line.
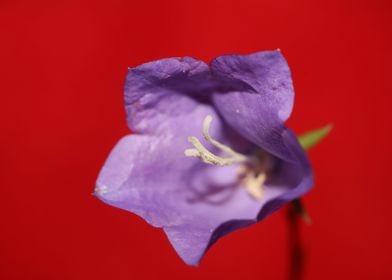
x=63, y=65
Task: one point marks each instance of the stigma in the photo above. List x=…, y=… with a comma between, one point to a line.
x=249, y=173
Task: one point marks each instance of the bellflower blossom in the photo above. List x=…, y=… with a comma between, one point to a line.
x=210, y=153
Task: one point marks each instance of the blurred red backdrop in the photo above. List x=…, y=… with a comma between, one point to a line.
x=63, y=65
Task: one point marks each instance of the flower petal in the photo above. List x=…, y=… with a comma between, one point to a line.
x=257, y=98
x=145, y=173
x=152, y=91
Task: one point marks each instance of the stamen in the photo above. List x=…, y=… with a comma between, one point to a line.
x=205, y=155
x=206, y=127
x=208, y=157
x=254, y=184
x=251, y=175
x=192, y=153
x=252, y=180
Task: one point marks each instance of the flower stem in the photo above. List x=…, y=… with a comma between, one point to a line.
x=297, y=256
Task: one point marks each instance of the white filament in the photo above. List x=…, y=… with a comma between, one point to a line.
x=208, y=157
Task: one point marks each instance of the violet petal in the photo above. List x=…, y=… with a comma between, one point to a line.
x=258, y=97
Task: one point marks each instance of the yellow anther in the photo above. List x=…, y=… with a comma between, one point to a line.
x=254, y=184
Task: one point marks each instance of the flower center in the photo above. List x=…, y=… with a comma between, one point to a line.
x=251, y=173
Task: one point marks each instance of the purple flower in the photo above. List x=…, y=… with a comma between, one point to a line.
x=210, y=153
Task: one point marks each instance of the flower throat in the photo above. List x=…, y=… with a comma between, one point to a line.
x=250, y=173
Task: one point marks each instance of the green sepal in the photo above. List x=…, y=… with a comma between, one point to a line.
x=311, y=138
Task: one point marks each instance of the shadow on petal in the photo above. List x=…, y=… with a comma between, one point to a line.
x=213, y=194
